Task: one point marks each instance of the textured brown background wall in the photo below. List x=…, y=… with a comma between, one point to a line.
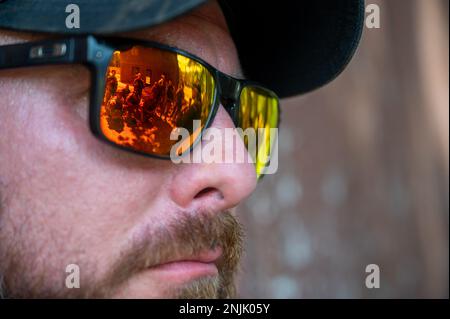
x=363, y=178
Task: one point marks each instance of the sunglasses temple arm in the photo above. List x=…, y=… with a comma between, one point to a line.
x=64, y=51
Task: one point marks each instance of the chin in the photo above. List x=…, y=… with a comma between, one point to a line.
x=200, y=288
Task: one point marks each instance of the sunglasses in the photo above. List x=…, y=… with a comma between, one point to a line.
x=141, y=91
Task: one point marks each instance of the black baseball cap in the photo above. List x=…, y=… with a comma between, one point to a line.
x=292, y=47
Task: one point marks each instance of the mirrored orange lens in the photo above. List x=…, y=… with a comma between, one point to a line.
x=259, y=110
x=149, y=92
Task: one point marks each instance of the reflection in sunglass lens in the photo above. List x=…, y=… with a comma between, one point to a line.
x=149, y=92
x=259, y=111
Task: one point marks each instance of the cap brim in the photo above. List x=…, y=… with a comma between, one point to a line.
x=96, y=16
x=295, y=47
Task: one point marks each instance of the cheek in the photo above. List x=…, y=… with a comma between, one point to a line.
x=40, y=108
x=39, y=125
x=57, y=171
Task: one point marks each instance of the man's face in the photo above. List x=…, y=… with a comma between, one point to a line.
x=136, y=227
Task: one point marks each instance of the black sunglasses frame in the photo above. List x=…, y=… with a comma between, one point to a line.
x=96, y=53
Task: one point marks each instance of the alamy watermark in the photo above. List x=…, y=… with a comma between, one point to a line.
x=373, y=16
x=73, y=277
x=220, y=146
x=73, y=17
x=373, y=279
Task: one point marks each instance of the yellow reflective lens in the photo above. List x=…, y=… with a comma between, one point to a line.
x=259, y=111
x=149, y=92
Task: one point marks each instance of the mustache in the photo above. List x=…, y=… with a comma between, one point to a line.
x=188, y=235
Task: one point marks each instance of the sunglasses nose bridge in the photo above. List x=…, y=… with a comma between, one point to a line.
x=231, y=107
x=230, y=89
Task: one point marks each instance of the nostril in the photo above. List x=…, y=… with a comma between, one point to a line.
x=209, y=191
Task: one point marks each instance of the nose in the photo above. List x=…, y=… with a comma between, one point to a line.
x=219, y=185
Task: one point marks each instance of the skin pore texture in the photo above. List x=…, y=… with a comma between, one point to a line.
x=136, y=227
